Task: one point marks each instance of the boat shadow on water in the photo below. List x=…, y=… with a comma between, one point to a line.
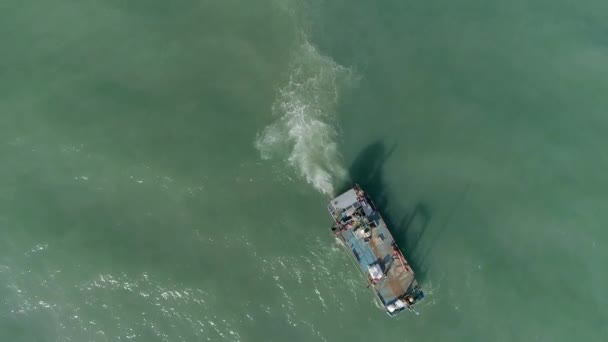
x=408, y=225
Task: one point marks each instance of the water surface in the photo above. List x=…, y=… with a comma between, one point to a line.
x=165, y=168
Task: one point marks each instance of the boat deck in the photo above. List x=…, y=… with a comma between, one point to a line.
x=379, y=249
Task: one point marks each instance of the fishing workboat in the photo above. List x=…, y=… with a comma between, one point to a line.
x=361, y=229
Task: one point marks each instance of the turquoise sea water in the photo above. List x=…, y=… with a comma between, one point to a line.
x=166, y=165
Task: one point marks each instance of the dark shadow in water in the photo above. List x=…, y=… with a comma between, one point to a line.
x=408, y=225
x=437, y=232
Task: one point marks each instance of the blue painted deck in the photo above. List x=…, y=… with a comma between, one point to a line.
x=379, y=249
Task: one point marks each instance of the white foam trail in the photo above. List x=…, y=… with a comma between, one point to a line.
x=305, y=133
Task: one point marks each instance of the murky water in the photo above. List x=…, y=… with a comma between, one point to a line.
x=164, y=167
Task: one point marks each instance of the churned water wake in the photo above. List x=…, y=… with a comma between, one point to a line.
x=305, y=130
